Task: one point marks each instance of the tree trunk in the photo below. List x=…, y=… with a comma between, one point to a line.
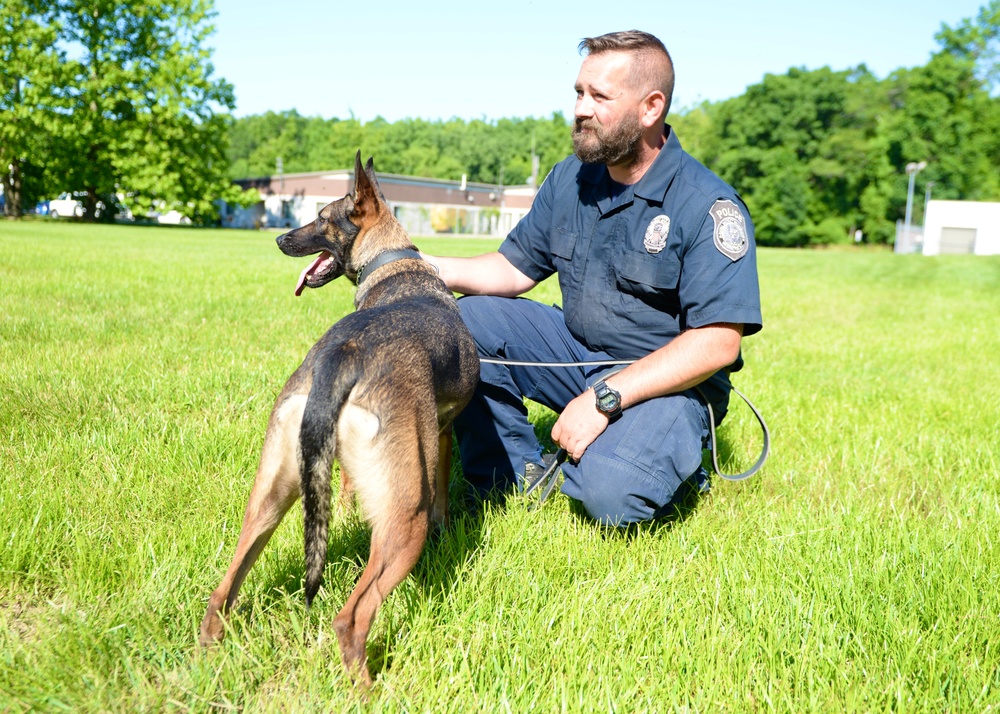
x=12, y=191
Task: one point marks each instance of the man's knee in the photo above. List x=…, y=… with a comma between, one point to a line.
x=616, y=493
x=634, y=473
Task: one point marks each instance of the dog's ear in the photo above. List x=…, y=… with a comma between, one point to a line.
x=367, y=195
x=370, y=173
x=357, y=164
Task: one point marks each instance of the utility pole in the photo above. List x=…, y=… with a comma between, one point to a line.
x=912, y=169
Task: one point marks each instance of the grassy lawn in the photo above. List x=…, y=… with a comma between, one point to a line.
x=860, y=571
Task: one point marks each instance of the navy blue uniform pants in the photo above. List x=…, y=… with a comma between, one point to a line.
x=636, y=470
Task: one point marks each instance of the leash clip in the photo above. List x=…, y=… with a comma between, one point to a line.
x=547, y=480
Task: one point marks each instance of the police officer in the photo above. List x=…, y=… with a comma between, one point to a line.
x=656, y=261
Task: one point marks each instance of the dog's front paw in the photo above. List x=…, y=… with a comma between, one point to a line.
x=212, y=627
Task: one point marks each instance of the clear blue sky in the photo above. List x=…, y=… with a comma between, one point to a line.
x=473, y=59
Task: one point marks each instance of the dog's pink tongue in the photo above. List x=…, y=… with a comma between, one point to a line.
x=304, y=275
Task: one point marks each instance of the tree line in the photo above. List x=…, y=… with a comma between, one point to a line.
x=494, y=152
x=820, y=155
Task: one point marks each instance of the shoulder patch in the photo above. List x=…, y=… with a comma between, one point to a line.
x=730, y=230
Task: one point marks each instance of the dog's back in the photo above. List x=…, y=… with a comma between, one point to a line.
x=386, y=380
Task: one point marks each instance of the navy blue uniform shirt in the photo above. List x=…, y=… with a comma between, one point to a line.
x=638, y=266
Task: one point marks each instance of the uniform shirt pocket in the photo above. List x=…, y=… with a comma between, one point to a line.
x=563, y=243
x=563, y=246
x=645, y=275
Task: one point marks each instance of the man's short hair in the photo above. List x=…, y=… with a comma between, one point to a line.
x=654, y=69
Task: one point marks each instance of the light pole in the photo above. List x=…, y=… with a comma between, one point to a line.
x=912, y=169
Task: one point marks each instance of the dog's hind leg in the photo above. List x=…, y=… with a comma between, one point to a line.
x=395, y=549
x=395, y=476
x=275, y=489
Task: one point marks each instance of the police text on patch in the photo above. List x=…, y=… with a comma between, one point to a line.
x=730, y=230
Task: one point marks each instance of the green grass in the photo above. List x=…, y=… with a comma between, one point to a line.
x=859, y=572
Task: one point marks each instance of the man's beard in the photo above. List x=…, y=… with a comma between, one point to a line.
x=614, y=146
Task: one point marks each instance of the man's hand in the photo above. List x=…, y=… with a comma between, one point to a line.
x=687, y=360
x=578, y=425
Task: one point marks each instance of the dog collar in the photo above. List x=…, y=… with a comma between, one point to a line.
x=385, y=258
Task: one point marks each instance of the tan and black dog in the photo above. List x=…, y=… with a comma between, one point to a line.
x=378, y=392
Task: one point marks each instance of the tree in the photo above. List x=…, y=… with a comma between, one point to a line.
x=944, y=116
x=487, y=152
x=978, y=40
x=145, y=105
x=793, y=146
x=125, y=109
x=30, y=68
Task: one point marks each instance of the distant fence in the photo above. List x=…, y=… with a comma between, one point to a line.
x=908, y=241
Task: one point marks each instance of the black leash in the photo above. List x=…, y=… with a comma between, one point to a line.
x=764, y=451
x=549, y=477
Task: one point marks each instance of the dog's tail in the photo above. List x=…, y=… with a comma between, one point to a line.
x=317, y=444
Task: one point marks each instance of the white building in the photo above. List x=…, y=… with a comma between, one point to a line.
x=952, y=227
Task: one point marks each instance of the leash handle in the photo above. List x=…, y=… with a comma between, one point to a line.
x=765, y=449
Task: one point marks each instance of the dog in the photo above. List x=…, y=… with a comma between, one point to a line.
x=378, y=392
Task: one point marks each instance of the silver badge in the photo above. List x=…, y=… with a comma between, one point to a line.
x=656, y=234
x=730, y=230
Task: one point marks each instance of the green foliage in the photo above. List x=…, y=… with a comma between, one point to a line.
x=978, y=40
x=134, y=111
x=30, y=70
x=794, y=147
x=817, y=152
x=488, y=152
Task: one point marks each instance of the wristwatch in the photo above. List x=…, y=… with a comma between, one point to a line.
x=609, y=401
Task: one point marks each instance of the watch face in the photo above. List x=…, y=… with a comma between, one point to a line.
x=608, y=402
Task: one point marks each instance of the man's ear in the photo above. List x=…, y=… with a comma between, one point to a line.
x=651, y=109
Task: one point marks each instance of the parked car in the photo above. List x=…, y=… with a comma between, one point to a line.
x=71, y=204
x=68, y=204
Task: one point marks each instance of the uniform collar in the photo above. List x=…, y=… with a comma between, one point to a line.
x=654, y=183
x=651, y=187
